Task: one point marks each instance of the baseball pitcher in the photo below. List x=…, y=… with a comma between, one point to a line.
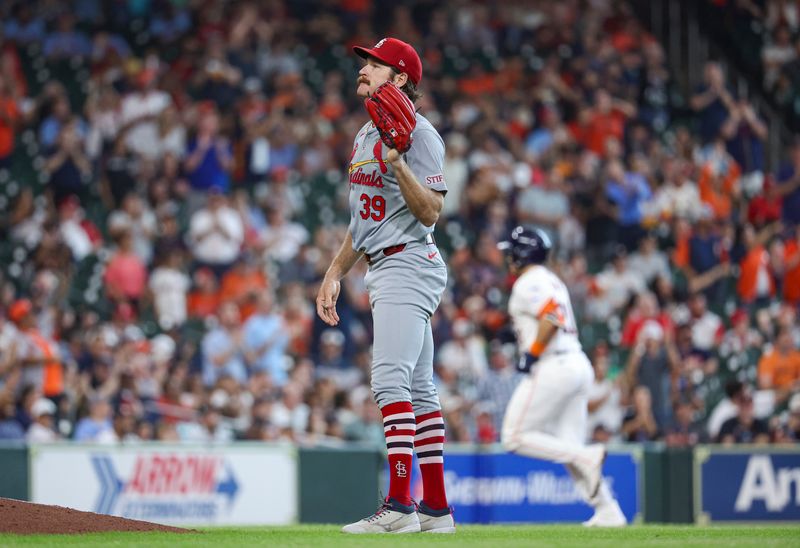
x=396, y=193
x=546, y=416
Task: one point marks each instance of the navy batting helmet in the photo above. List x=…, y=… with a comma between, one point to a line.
x=527, y=246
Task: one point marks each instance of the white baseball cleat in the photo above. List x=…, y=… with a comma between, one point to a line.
x=593, y=473
x=607, y=515
x=435, y=521
x=390, y=517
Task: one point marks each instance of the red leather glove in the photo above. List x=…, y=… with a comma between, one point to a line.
x=393, y=114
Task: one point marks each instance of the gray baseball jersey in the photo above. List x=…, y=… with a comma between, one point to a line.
x=379, y=216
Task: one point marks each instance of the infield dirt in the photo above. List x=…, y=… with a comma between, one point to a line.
x=27, y=518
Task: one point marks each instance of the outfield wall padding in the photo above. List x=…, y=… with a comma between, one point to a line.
x=14, y=475
x=338, y=485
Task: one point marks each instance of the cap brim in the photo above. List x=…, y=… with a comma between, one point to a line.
x=362, y=52
x=365, y=53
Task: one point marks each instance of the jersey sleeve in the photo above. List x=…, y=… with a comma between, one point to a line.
x=426, y=159
x=543, y=302
x=552, y=312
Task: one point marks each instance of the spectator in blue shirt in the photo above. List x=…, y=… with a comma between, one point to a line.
x=283, y=150
x=107, y=47
x=223, y=348
x=209, y=155
x=265, y=340
x=629, y=191
x=169, y=25
x=97, y=426
x=66, y=42
x=542, y=139
x=708, y=258
x=789, y=186
x=10, y=428
x=88, y=11
x=704, y=246
x=713, y=102
x=59, y=117
x=68, y=167
x=23, y=28
x=746, y=135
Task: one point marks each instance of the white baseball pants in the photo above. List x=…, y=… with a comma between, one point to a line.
x=546, y=416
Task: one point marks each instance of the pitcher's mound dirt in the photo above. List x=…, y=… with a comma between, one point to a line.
x=26, y=518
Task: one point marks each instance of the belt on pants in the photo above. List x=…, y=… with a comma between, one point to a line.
x=394, y=249
x=391, y=250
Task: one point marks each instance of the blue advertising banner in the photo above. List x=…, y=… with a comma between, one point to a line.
x=747, y=484
x=496, y=487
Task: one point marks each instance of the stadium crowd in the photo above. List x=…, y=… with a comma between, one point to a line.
x=172, y=176
x=764, y=37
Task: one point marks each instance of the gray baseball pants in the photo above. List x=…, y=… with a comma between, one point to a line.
x=404, y=291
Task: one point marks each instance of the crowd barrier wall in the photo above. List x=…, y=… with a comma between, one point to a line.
x=252, y=483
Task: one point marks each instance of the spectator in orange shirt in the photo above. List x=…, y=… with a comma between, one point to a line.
x=298, y=318
x=204, y=300
x=38, y=355
x=607, y=119
x=478, y=82
x=719, y=181
x=681, y=252
x=627, y=37
x=242, y=284
x=756, y=279
x=779, y=370
x=9, y=114
x=791, y=279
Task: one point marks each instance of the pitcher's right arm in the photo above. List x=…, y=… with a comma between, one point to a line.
x=331, y=283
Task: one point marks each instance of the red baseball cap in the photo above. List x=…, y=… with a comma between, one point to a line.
x=19, y=309
x=738, y=316
x=396, y=54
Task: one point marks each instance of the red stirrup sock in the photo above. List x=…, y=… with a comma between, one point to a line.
x=429, y=444
x=399, y=427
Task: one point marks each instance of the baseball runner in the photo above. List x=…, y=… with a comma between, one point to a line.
x=396, y=193
x=546, y=416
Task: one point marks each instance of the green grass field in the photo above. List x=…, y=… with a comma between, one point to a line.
x=488, y=536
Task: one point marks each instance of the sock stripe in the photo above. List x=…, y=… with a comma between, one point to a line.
x=428, y=441
x=393, y=438
x=430, y=447
x=395, y=431
x=430, y=415
x=426, y=444
x=399, y=451
x=393, y=444
x=429, y=437
x=428, y=422
x=397, y=407
x=395, y=416
x=433, y=444
x=429, y=428
x=398, y=421
x=430, y=460
x=423, y=454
